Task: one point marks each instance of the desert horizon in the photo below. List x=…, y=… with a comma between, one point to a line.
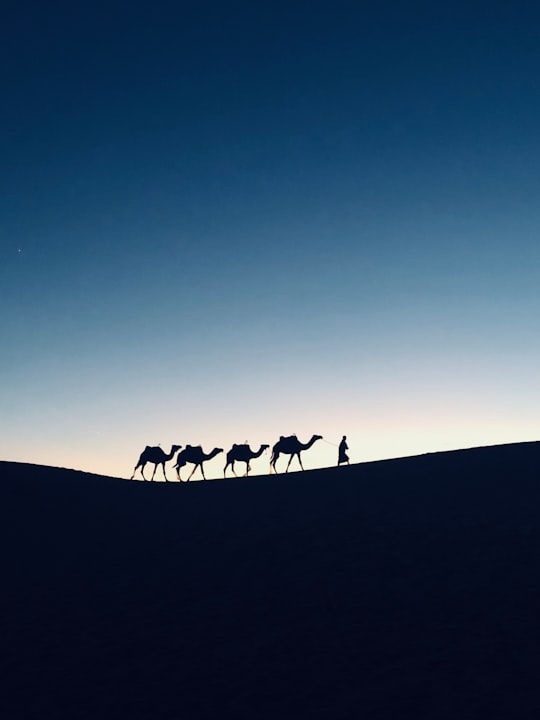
x=257, y=469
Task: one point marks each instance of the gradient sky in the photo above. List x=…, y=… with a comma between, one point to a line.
x=224, y=222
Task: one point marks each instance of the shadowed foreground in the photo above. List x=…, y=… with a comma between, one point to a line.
x=397, y=589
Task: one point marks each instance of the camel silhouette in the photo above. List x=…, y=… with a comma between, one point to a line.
x=242, y=453
x=194, y=454
x=154, y=455
x=290, y=446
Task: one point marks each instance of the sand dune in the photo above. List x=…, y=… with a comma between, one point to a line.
x=402, y=588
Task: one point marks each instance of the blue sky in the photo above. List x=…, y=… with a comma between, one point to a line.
x=227, y=222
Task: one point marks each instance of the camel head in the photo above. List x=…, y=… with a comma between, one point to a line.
x=213, y=453
x=314, y=439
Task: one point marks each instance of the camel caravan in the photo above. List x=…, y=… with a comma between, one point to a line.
x=194, y=455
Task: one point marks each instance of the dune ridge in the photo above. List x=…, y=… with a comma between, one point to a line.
x=397, y=588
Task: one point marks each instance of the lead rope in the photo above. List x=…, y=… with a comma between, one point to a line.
x=329, y=443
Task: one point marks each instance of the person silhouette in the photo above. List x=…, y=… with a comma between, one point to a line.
x=342, y=454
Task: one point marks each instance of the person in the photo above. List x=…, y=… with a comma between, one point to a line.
x=343, y=447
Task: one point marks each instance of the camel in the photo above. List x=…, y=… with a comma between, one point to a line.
x=242, y=453
x=290, y=446
x=195, y=455
x=156, y=456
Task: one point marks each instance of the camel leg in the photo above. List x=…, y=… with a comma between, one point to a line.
x=202, y=470
x=155, y=468
x=163, y=467
x=142, y=471
x=300, y=461
x=290, y=460
x=194, y=468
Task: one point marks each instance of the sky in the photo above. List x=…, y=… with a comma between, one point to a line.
x=222, y=222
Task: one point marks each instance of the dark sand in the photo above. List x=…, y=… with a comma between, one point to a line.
x=400, y=589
